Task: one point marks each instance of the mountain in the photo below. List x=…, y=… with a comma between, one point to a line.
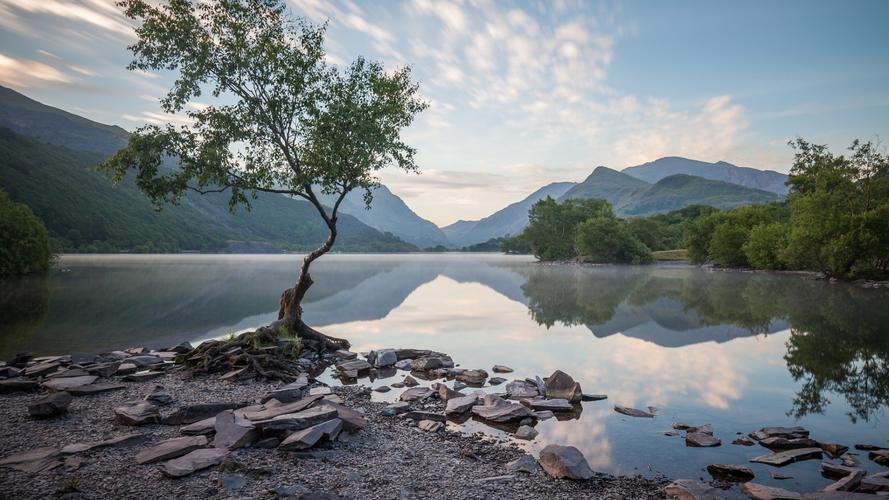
x=607, y=184
x=766, y=180
x=679, y=191
x=389, y=213
x=47, y=160
x=510, y=220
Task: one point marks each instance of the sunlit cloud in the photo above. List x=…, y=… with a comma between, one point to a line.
x=23, y=73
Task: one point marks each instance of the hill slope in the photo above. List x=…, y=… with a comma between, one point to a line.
x=679, y=191
x=511, y=219
x=609, y=185
x=766, y=180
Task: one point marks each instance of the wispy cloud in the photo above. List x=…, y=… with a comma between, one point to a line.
x=24, y=73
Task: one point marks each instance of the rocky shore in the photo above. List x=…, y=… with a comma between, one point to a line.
x=133, y=424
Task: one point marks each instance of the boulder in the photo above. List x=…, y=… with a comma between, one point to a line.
x=785, y=457
x=194, y=461
x=298, y=420
x=404, y=364
x=354, y=368
x=521, y=389
x=550, y=404
x=762, y=492
x=138, y=413
x=430, y=425
x=170, y=448
x=385, y=357
x=460, y=405
x=525, y=463
x=564, y=462
x=501, y=369
x=396, y=409
x=560, y=385
x=65, y=383
x=233, y=431
x=502, y=411
x=730, y=472
x=785, y=432
x=310, y=436
x=688, y=489
x=190, y=414
x=473, y=377
x=12, y=385
x=526, y=432
x=701, y=440
x=415, y=393
x=633, y=412
x=51, y=405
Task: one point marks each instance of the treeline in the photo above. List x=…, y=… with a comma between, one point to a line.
x=835, y=221
x=24, y=241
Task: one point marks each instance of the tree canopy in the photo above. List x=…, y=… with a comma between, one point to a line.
x=24, y=241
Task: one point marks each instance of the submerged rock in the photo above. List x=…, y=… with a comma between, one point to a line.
x=781, y=443
x=785, y=432
x=789, y=456
x=564, y=462
x=701, y=440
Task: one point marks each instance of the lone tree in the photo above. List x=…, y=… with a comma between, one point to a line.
x=289, y=124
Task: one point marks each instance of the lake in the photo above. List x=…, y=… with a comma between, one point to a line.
x=735, y=350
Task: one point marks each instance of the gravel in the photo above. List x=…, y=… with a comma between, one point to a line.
x=387, y=459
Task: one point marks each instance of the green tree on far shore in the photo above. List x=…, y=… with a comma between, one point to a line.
x=24, y=241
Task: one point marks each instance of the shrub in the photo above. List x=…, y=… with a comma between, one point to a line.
x=24, y=241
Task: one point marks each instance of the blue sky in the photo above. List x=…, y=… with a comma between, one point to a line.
x=526, y=93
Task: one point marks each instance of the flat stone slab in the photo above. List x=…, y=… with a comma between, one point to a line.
x=785, y=432
x=272, y=411
x=353, y=419
x=633, y=412
x=12, y=385
x=137, y=414
x=353, y=368
x=425, y=415
x=192, y=413
x=89, y=389
x=689, y=489
x=521, y=389
x=397, y=409
x=65, y=383
x=502, y=412
x=701, y=440
x=143, y=376
x=457, y=406
x=201, y=427
x=311, y=436
x=126, y=439
x=551, y=404
x=762, y=492
x=593, y=397
x=730, y=472
x=194, y=461
x=415, y=393
x=29, y=456
x=50, y=405
x=171, y=448
x=430, y=425
x=299, y=420
x=564, y=462
x=233, y=431
x=786, y=457
x=782, y=443
x=289, y=393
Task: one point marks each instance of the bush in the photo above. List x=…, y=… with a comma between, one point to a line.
x=726, y=245
x=609, y=240
x=551, y=226
x=765, y=246
x=24, y=241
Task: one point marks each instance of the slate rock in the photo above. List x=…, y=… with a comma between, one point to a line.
x=190, y=414
x=51, y=405
x=460, y=405
x=125, y=440
x=415, y=393
x=833, y=450
x=850, y=482
x=501, y=369
x=126, y=369
x=410, y=381
x=550, y=404
x=836, y=471
x=564, y=462
x=875, y=483
x=139, y=413
x=496, y=380
x=633, y=412
x=144, y=361
x=789, y=456
x=782, y=443
x=194, y=461
x=41, y=369
x=345, y=354
x=68, y=373
x=233, y=431
x=382, y=388
x=298, y=420
x=104, y=370
x=311, y=436
x=353, y=420
x=730, y=472
x=762, y=492
x=473, y=377
x=785, y=432
x=688, y=489
x=526, y=432
x=158, y=395
x=32, y=455
x=445, y=393
x=143, y=376
x=170, y=448
x=744, y=441
x=385, y=357
x=430, y=425
x=701, y=440
x=879, y=456
x=427, y=363
x=521, y=389
x=560, y=385
x=12, y=385
x=62, y=384
x=502, y=412
x=525, y=464
x=593, y=397
x=396, y=409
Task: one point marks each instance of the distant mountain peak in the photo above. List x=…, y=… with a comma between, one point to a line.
x=767, y=180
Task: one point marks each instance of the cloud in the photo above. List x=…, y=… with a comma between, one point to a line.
x=25, y=73
x=103, y=14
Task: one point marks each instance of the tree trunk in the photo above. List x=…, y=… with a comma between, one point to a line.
x=290, y=306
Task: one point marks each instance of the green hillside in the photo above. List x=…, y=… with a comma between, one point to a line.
x=607, y=184
x=678, y=191
x=83, y=212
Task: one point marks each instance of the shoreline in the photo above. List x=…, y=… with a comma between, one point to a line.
x=390, y=457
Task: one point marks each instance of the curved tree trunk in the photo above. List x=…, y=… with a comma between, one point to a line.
x=290, y=306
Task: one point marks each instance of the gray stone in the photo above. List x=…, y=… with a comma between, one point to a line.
x=104, y=370
x=496, y=380
x=415, y=393
x=382, y=388
x=525, y=463
x=427, y=363
x=550, y=404
x=593, y=397
x=12, y=385
x=190, y=414
x=231, y=482
x=125, y=440
x=701, y=440
x=782, y=443
x=345, y=354
x=194, y=461
x=502, y=411
x=352, y=419
x=730, y=472
x=404, y=364
x=354, y=368
x=68, y=373
x=42, y=369
x=544, y=415
x=564, y=462
x=233, y=431
x=785, y=432
x=144, y=361
x=298, y=420
x=410, y=381
x=851, y=482
x=201, y=427
x=762, y=492
x=396, y=409
x=430, y=425
x=35, y=454
x=560, y=385
x=833, y=449
x=460, y=405
x=633, y=412
x=311, y=436
x=688, y=489
x=521, y=389
x=126, y=368
x=473, y=377
x=96, y=388
x=170, y=448
x=143, y=376
x=701, y=429
x=62, y=384
x=526, y=432
x=158, y=395
x=445, y=393
x=502, y=369
x=785, y=457
x=385, y=357
x=50, y=405
x=139, y=413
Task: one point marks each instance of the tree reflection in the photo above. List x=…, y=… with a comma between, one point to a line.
x=23, y=305
x=839, y=341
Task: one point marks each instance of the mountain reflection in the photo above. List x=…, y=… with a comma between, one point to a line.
x=838, y=341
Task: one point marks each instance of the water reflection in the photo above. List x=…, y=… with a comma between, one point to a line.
x=669, y=332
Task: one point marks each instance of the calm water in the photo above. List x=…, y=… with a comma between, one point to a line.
x=736, y=350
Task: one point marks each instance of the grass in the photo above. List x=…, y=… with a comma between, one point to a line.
x=666, y=255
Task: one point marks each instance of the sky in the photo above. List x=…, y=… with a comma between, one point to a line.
x=524, y=93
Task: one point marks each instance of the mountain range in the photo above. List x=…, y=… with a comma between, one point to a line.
x=49, y=155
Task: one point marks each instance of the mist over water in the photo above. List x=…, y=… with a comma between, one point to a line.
x=736, y=350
